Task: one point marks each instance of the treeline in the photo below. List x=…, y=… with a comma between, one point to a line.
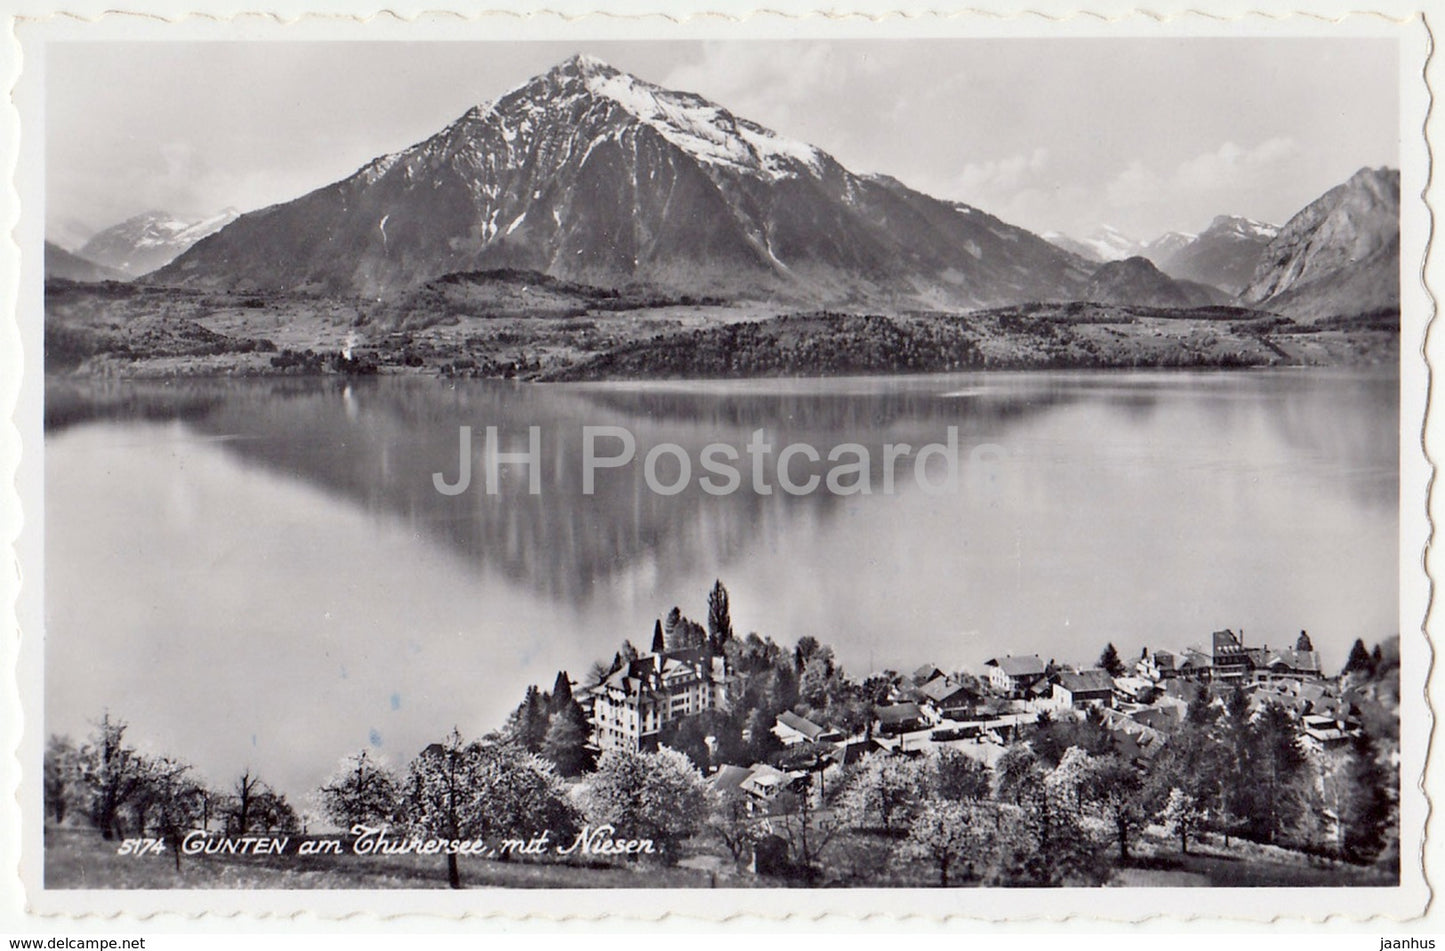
x=493, y=790
x=124, y=792
x=822, y=344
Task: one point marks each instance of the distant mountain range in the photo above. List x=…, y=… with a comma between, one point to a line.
x=69, y=266
x=1339, y=256
x=142, y=243
x=1223, y=255
x=589, y=174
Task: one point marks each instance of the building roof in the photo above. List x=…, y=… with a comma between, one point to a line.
x=940, y=689
x=1087, y=681
x=926, y=673
x=1195, y=658
x=1019, y=666
x=898, y=712
x=802, y=724
x=1295, y=660
x=1164, y=718
x=1228, y=645
x=729, y=778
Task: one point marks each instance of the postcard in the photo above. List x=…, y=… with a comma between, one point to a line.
x=957, y=466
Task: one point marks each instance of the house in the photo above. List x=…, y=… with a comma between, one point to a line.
x=1084, y=688
x=1135, y=689
x=630, y=707
x=1320, y=733
x=853, y=750
x=895, y=718
x=793, y=729
x=1289, y=663
x=1165, y=718
x=1013, y=675
x=763, y=782
x=1196, y=665
x=729, y=779
x=924, y=674
x=1138, y=746
x=943, y=699
x=1232, y=661
x=1160, y=665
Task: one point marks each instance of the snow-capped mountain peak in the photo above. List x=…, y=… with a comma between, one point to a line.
x=151, y=239
x=588, y=173
x=1235, y=226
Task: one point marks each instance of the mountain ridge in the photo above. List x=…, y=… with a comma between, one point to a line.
x=1339, y=255
x=152, y=239
x=590, y=174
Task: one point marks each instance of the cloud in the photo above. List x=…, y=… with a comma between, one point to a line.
x=1002, y=177
x=772, y=83
x=1211, y=176
x=1136, y=185
x=1230, y=166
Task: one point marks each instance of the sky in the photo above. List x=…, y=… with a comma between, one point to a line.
x=1144, y=135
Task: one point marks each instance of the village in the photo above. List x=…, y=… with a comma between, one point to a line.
x=738, y=759
x=1139, y=705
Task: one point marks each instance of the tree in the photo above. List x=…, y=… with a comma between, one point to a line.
x=1237, y=788
x=807, y=646
x=671, y=625
x=958, y=778
x=731, y=823
x=1016, y=771
x=1181, y=815
x=795, y=814
x=688, y=736
x=172, y=798
x=1109, y=660
x=599, y=671
x=62, y=774
x=242, y=808
x=761, y=742
x=362, y=791
x=659, y=796
x=719, y=619
x=1303, y=643
x=1276, y=768
x=1067, y=780
x=561, y=696
x=883, y=789
x=460, y=790
x=110, y=771
x=1116, y=788
x=944, y=834
x=1368, y=808
x=815, y=683
x=527, y=725
x=1359, y=660
x=566, y=742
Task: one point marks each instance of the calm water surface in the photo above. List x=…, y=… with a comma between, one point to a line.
x=261, y=573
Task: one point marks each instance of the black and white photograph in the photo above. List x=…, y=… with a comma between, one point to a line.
x=836, y=462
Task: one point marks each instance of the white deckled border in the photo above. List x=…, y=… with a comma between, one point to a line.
x=32, y=22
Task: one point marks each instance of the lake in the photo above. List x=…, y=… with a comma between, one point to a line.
x=263, y=573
